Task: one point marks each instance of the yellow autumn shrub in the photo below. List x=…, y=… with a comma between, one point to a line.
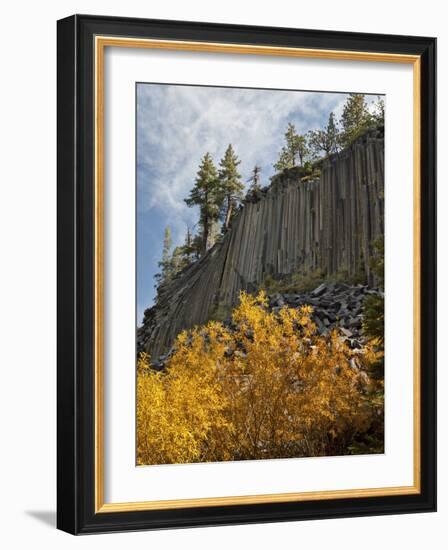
x=270, y=387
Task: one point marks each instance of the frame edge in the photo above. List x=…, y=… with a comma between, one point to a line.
x=67, y=464
x=73, y=514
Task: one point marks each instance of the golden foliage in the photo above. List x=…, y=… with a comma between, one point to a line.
x=271, y=387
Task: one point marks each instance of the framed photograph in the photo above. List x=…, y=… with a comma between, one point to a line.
x=246, y=274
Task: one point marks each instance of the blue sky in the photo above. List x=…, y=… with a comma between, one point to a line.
x=177, y=125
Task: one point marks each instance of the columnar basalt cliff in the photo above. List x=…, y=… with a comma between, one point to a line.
x=297, y=225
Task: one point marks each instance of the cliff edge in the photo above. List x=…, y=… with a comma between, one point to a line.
x=297, y=225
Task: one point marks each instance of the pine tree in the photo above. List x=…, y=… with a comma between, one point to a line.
x=165, y=263
x=188, y=252
x=303, y=150
x=206, y=194
x=188, y=246
x=231, y=187
x=326, y=140
x=255, y=179
x=378, y=113
x=196, y=246
x=355, y=119
x=179, y=259
x=294, y=152
x=183, y=255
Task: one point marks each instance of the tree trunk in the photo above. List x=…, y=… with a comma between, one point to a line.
x=228, y=214
x=205, y=235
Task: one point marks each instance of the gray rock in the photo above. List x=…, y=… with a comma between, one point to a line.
x=321, y=289
x=311, y=225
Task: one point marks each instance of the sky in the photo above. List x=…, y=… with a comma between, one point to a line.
x=177, y=125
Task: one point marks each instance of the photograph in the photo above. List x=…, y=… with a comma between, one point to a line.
x=223, y=237
x=246, y=274
x=259, y=273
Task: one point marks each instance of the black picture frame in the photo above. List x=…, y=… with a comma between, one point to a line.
x=76, y=271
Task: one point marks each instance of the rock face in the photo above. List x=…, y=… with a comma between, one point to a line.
x=336, y=306
x=296, y=225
